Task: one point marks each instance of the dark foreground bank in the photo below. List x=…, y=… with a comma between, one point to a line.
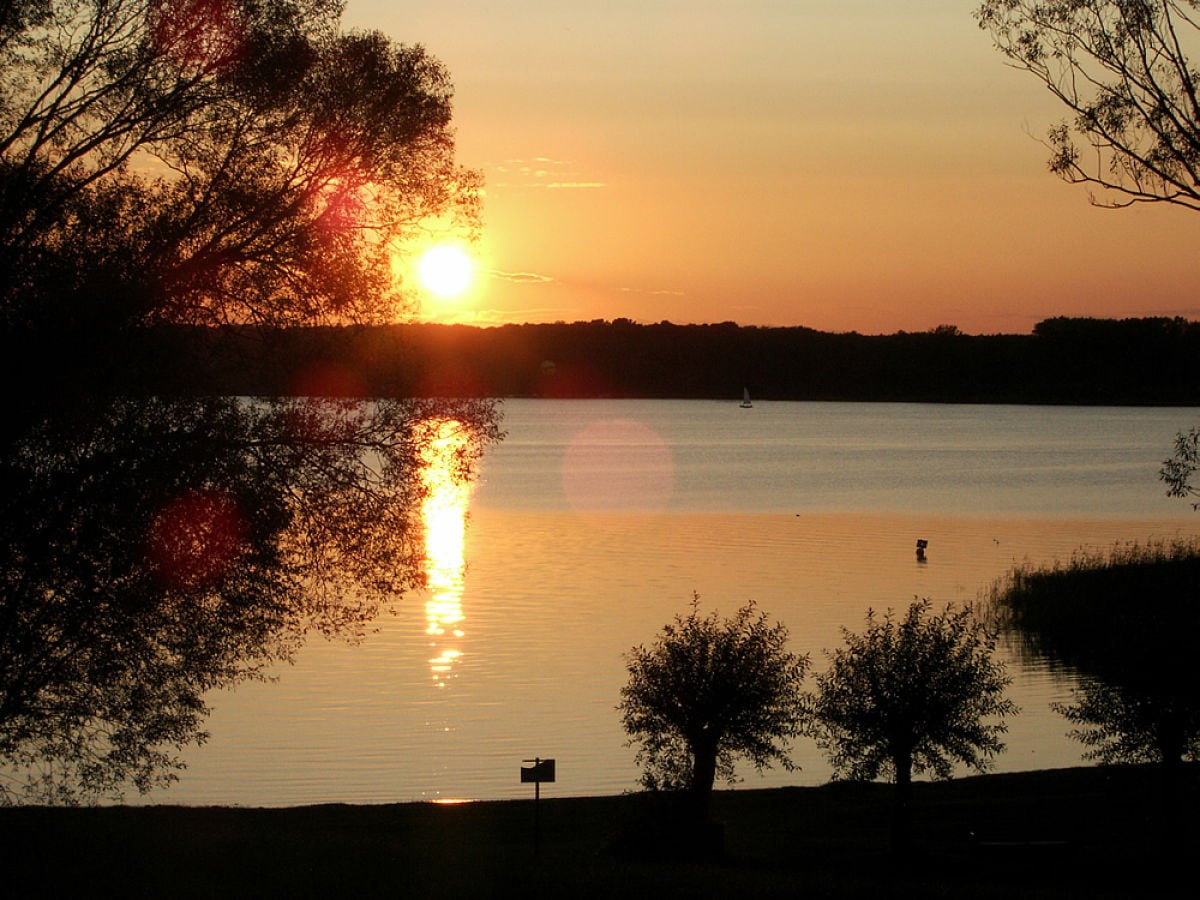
x=1076, y=832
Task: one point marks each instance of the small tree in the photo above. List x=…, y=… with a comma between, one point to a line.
x=709, y=691
x=1177, y=471
x=912, y=695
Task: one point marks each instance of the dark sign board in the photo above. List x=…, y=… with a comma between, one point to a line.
x=541, y=771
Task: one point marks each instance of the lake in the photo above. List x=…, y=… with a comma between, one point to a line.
x=592, y=525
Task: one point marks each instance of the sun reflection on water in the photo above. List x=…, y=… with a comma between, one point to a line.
x=444, y=515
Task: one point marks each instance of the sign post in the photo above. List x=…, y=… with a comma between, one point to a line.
x=541, y=770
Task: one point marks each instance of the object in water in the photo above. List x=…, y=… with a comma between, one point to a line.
x=921, y=545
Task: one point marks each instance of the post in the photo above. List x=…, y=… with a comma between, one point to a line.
x=541, y=770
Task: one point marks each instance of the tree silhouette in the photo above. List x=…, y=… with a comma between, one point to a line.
x=1122, y=68
x=206, y=162
x=1125, y=621
x=1177, y=471
x=157, y=550
x=196, y=162
x=707, y=692
x=257, y=163
x=912, y=696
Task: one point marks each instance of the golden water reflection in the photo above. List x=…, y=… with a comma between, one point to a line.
x=444, y=516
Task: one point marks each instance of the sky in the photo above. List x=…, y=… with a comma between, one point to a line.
x=845, y=165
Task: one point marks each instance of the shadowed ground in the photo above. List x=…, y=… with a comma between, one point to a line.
x=1087, y=831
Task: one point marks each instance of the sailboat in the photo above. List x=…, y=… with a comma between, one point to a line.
x=746, y=404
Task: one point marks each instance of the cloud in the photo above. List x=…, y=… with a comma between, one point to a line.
x=652, y=292
x=542, y=172
x=522, y=277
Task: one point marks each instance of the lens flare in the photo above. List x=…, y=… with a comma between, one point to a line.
x=196, y=537
x=618, y=465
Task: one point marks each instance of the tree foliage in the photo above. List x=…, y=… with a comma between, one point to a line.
x=206, y=162
x=1122, y=726
x=1123, y=68
x=1125, y=621
x=1177, y=471
x=214, y=160
x=160, y=550
x=912, y=694
x=1077, y=361
x=709, y=691
x=199, y=162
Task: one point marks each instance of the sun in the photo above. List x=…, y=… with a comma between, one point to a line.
x=446, y=270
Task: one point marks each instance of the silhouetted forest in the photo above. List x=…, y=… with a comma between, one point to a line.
x=1149, y=361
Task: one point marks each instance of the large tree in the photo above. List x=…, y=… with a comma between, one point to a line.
x=707, y=692
x=207, y=161
x=912, y=695
x=202, y=162
x=1123, y=69
x=254, y=161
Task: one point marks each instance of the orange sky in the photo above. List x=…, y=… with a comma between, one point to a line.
x=848, y=165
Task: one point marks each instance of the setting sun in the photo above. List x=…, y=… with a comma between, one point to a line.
x=446, y=270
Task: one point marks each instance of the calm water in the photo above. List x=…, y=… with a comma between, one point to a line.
x=593, y=523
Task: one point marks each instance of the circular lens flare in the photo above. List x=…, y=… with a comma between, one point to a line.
x=618, y=466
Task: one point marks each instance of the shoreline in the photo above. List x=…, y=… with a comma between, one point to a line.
x=1045, y=833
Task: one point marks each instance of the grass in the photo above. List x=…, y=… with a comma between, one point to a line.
x=1088, y=832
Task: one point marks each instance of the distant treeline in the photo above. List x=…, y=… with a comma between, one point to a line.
x=1149, y=361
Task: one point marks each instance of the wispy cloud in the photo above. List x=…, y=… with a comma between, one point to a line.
x=522, y=277
x=652, y=292
x=542, y=172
